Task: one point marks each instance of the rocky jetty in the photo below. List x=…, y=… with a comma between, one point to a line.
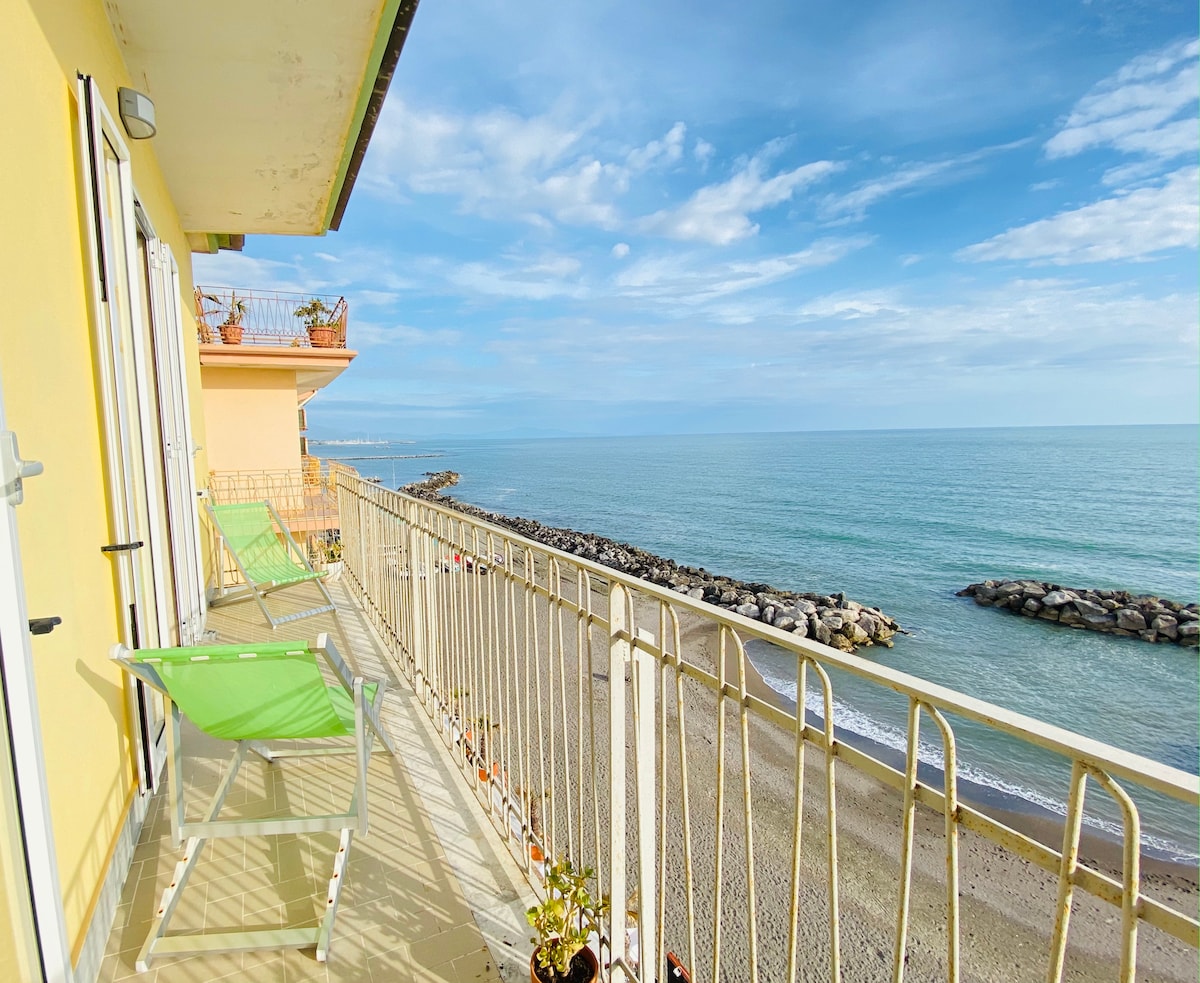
x=831, y=619
x=1115, y=612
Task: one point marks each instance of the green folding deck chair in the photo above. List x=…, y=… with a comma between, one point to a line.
x=266, y=555
x=250, y=694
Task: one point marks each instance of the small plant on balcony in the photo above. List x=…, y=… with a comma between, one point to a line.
x=326, y=554
x=319, y=322
x=564, y=921
x=234, y=310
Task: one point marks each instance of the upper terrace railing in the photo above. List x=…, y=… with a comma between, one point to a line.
x=269, y=318
x=619, y=723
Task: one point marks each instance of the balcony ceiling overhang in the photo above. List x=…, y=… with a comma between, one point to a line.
x=264, y=109
x=313, y=368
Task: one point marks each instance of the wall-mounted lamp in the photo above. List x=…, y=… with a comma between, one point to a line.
x=137, y=113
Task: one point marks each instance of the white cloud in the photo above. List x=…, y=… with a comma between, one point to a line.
x=703, y=152
x=1020, y=324
x=665, y=151
x=497, y=164
x=851, y=306
x=682, y=280
x=538, y=280
x=250, y=273
x=376, y=298
x=1128, y=226
x=853, y=205
x=720, y=213
x=367, y=334
x=620, y=250
x=1136, y=110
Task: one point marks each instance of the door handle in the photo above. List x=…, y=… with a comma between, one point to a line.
x=14, y=470
x=119, y=547
x=43, y=626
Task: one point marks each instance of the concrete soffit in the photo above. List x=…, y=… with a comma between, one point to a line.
x=264, y=110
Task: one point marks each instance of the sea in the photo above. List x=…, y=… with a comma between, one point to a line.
x=901, y=520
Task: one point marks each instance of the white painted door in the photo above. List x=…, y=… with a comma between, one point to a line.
x=121, y=322
x=33, y=936
x=178, y=448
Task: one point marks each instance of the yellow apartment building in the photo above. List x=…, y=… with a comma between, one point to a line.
x=138, y=133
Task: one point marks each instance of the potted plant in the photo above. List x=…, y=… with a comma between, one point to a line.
x=318, y=321
x=564, y=921
x=235, y=310
x=480, y=733
x=332, y=554
x=326, y=554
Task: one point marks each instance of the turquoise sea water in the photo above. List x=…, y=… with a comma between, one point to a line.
x=901, y=520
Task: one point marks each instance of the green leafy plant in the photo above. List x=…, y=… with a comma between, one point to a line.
x=315, y=314
x=566, y=918
x=325, y=551
x=234, y=309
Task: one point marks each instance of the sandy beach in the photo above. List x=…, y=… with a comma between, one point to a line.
x=1006, y=903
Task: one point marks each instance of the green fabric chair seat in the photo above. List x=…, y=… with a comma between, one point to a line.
x=267, y=691
x=266, y=555
x=250, y=534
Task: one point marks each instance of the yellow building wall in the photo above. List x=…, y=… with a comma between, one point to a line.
x=51, y=399
x=250, y=418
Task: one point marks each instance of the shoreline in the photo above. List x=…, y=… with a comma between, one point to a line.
x=1097, y=846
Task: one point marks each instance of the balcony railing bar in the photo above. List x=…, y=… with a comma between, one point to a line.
x=488, y=656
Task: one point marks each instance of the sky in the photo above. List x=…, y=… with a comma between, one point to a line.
x=668, y=217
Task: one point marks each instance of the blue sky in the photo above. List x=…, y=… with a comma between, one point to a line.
x=629, y=217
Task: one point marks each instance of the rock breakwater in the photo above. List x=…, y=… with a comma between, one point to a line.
x=1115, y=612
x=831, y=619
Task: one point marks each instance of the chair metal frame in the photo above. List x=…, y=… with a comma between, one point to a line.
x=367, y=726
x=260, y=589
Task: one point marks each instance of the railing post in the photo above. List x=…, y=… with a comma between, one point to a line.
x=416, y=584
x=618, y=656
x=642, y=674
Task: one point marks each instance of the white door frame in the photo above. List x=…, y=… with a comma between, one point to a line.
x=143, y=616
x=20, y=703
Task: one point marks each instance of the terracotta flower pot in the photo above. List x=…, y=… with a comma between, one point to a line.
x=584, y=969
x=323, y=337
x=231, y=334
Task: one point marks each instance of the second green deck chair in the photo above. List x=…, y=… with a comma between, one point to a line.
x=266, y=556
x=251, y=694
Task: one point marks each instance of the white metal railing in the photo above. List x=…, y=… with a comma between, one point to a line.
x=617, y=722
